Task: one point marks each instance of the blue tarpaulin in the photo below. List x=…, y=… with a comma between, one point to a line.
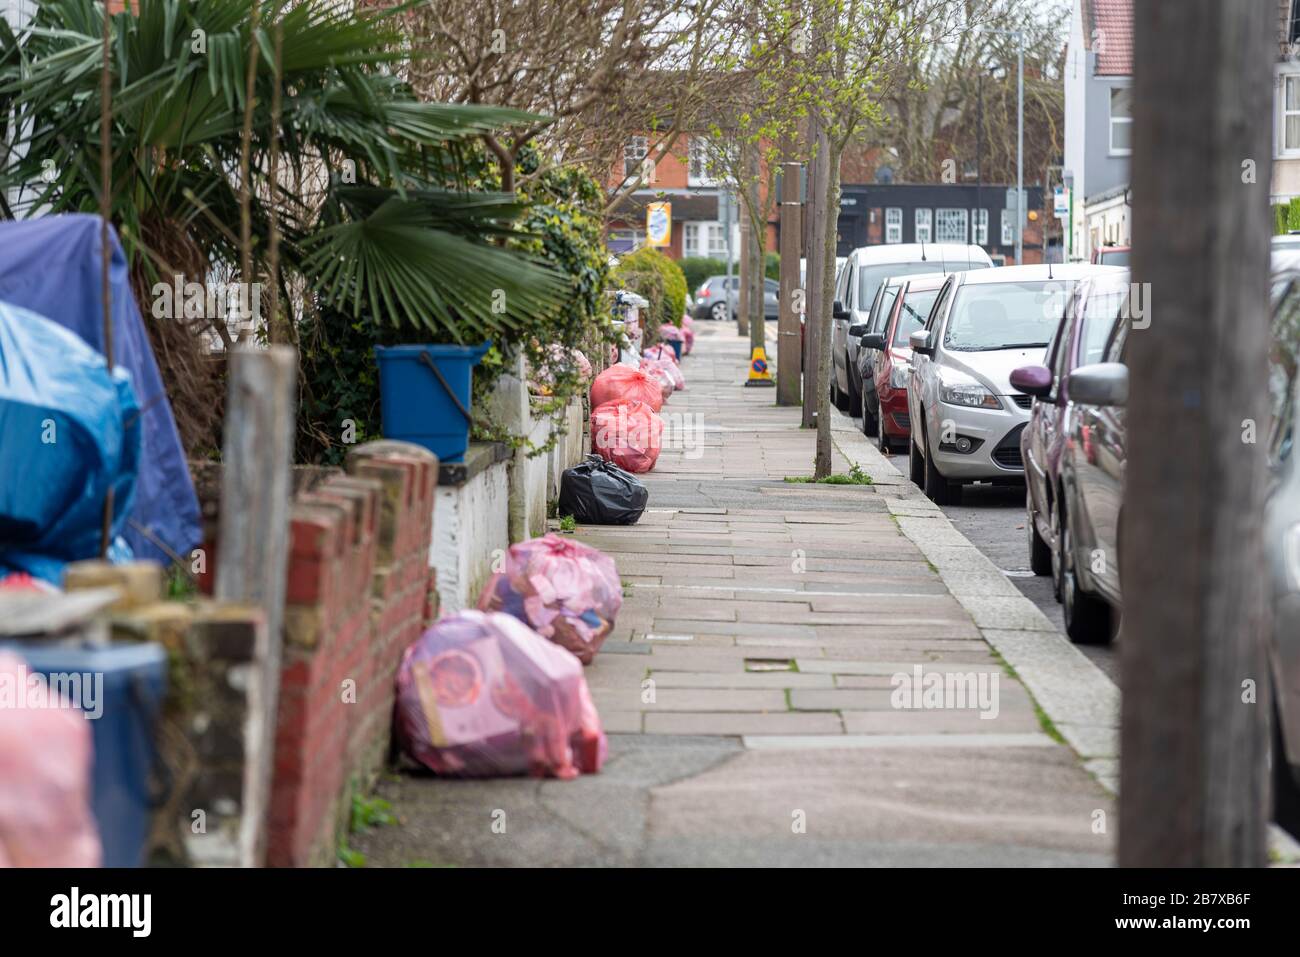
x=51, y=266
x=69, y=432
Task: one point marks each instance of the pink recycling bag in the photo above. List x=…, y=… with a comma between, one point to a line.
x=566, y=591
x=45, y=766
x=482, y=694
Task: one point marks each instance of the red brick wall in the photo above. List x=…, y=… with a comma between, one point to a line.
x=358, y=594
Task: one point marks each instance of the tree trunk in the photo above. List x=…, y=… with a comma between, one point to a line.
x=830, y=214
x=1196, y=697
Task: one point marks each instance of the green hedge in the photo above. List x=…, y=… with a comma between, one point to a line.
x=668, y=295
x=696, y=269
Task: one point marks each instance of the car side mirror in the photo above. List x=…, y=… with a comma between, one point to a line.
x=1032, y=380
x=857, y=329
x=920, y=342
x=872, y=340
x=838, y=311
x=1102, y=383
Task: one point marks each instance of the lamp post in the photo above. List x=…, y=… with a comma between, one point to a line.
x=1020, y=135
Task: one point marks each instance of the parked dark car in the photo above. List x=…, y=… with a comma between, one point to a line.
x=718, y=296
x=1080, y=339
x=886, y=373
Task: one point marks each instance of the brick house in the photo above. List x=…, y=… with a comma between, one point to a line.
x=682, y=177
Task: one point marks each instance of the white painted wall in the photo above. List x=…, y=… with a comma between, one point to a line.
x=470, y=523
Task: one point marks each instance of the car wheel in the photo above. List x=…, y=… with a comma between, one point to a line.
x=1286, y=782
x=855, y=393
x=937, y=488
x=870, y=422
x=718, y=312
x=840, y=400
x=1087, y=616
x=882, y=439
x=1040, y=556
x=915, y=464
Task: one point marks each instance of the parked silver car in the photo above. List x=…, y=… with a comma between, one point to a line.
x=965, y=417
x=718, y=296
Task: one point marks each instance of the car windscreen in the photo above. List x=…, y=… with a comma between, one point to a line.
x=912, y=314
x=1005, y=315
x=1099, y=317
x=870, y=277
x=1283, y=358
x=1116, y=258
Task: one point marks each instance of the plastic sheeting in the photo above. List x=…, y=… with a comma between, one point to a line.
x=564, y=590
x=482, y=694
x=69, y=432
x=51, y=266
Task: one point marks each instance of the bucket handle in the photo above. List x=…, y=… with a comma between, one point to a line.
x=428, y=360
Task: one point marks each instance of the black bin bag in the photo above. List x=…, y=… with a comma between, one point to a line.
x=596, y=492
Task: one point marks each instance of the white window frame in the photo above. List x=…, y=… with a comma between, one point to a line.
x=638, y=237
x=924, y=225
x=635, y=150
x=704, y=238
x=1281, y=113
x=893, y=224
x=697, y=162
x=1126, y=120
x=1008, y=228
x=979, y=226
x=941, y=214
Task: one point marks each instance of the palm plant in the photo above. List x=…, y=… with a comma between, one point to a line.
x=373, y=215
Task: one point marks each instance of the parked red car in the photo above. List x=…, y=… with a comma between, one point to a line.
x=893, y=367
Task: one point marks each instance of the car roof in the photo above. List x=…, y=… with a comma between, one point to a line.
x=1036, y=272
x=919, y=252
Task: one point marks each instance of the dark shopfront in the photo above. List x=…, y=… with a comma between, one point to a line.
x=954, y=213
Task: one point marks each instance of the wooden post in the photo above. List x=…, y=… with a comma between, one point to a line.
x=788, y=384
x=252, y=556
x=812, y=383
x=758, y=249
x=1193, y=790
x=742, y=290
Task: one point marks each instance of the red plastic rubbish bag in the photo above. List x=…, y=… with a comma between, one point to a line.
x=688, y=334
x=660, y=351
x=628, y=434
x=624, y=383
x=482, y=694
x=564, y=590
x=661, y=375
x=663, y=367
x=45, y=768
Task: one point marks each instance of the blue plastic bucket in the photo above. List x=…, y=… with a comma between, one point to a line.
x=126, y=772
x=425, y=395
x=677, y=346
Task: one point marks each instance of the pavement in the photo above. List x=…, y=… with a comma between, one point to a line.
x=748, y=689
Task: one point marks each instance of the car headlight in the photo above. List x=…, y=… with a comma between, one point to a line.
x=1291, y=555
x=969, y=394
x=898, y=375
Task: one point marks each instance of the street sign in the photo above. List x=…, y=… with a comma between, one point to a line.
x=1061, y=201
x=659, y=224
